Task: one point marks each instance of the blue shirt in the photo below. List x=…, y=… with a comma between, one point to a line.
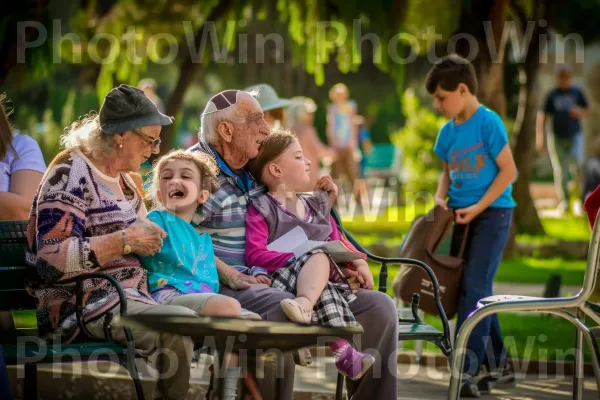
x=186, y=260
x=341, y=118
x=470, y=149
x=558, y=103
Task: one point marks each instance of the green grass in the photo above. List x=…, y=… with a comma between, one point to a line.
x=395, y=221
x=516, y=270
x=528, y=336
x=391, y=225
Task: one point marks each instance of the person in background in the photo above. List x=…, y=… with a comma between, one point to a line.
x=342, y=134
x=567, y=105
x=272, y=105
x=21, y=169
x=148, y=86
x=301, y=116
x=364, y=142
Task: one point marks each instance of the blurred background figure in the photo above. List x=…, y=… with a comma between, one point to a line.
x=21, y=169
x=272, y=105
x=300, y=120
x=364, y=143
x=342, y=134
x=148, y=86
x=565, y=105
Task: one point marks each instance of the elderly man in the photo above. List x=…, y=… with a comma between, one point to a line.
x=232, y=128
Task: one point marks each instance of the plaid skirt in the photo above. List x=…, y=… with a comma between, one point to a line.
x=332, y=307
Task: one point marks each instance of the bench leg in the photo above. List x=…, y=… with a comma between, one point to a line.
x=578, y=372
x=339, y=387
x=30, y=387
x=131, y=367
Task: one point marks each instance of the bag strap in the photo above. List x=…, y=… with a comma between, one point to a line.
x=463, y=243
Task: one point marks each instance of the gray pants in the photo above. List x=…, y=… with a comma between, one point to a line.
x=177, y=349
x=375, y=311
x=565, y=153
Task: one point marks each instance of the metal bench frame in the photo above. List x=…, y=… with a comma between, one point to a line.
x=13, y=243
x=428, y=333
x=574, y=309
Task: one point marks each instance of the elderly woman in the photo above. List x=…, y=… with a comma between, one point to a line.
x=89, y=217
x=232, y=128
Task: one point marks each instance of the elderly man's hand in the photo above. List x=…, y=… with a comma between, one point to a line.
x=238, y=281
x=325, y=183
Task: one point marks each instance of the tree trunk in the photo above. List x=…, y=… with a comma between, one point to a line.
x=489, y=67
x=526, y=217
x=187, y=72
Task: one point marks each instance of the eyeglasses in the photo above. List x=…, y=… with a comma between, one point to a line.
x=221, y=101
x=154, y=143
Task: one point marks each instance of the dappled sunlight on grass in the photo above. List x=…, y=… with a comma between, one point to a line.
x=538, y=270
x=568, y=228
x=527, y=336
x=517, y=270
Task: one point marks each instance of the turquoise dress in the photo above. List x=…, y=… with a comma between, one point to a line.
x=186, y=260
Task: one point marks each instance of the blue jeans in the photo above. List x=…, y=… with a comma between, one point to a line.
x=488, y=234
x=4, y=385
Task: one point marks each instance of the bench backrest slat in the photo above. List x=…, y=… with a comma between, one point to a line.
x=13, y=271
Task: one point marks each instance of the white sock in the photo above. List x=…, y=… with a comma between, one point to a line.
x=230, y=383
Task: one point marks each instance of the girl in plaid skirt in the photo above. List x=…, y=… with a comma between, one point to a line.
x=322, y=292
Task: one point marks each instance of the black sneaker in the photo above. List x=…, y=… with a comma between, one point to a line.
x=468, y=387
x=502, y=379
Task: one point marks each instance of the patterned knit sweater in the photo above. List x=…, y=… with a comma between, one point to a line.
x=72, y=206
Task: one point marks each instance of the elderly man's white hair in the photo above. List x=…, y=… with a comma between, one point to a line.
x=211, y=118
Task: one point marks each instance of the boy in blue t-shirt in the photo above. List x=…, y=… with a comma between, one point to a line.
x=476, y=181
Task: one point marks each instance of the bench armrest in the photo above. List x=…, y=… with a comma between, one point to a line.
x=385, y=261
x=78, y=280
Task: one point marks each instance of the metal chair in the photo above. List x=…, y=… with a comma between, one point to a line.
x=574, y=309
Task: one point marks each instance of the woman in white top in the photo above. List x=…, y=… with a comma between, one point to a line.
x=21, y=169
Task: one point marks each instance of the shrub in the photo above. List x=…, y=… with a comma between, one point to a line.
x=416, y=139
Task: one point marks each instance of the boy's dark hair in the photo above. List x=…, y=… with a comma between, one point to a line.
x=451, y=71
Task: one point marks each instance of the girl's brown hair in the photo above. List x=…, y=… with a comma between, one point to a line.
x=270, y=149
x=6, y=135
x=205, y=163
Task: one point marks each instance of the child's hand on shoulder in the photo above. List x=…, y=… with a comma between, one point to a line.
x=325, y=183
x=468, y=214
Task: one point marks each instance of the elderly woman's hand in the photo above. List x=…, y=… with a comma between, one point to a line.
x=145, y=237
